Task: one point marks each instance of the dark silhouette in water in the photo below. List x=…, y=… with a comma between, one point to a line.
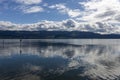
x=20, y=46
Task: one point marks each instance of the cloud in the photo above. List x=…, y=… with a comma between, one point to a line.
x=33, y=9
x=29, y=6
x=98, y=16
x=74, y=13
x=60, y=7
x=65, y=25
x=100, y=10
x=28, y=2
x=65, y=10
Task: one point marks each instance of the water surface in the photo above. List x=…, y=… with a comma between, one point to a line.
x=60, y=59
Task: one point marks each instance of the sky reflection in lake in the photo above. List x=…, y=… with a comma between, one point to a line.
x=59, y=59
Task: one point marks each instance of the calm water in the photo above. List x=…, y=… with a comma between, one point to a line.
x=60, y=59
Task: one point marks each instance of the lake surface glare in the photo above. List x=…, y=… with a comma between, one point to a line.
x=60, y=59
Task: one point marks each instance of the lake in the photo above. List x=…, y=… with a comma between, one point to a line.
x=60, y=59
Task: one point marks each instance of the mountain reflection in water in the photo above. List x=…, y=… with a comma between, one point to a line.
x=59, y=60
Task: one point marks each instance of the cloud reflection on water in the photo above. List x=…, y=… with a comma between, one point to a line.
x=46, y=59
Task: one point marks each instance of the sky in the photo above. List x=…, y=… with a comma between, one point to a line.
x=31, y=11
x=98, y=14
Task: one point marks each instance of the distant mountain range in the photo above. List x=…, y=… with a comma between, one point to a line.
x=55, y=35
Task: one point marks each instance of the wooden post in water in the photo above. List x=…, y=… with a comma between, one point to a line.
x=20, y=46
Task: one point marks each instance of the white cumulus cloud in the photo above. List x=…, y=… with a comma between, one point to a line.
x=28, y=2
x=65, y=10
x=33, y=9
x=29, y=6
x=101, y=10
x=65, y=25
